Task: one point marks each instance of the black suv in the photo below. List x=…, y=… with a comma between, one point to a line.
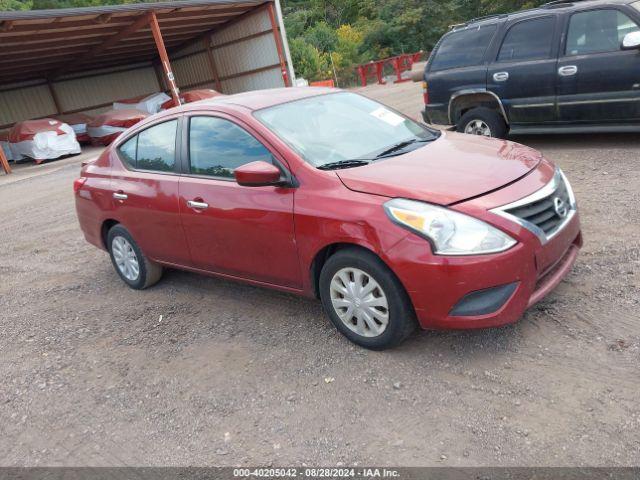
x=563, y=67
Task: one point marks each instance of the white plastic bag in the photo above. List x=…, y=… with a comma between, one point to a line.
x=151, y=104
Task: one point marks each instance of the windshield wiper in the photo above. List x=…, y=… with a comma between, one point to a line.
x=344, y=164
x=358, y=162
x=400, y=146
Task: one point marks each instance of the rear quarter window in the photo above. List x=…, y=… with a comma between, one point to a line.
x=463, y=48
x=128, y=151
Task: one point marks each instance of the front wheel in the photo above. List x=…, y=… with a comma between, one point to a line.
x=484, y=122
x=365, y=300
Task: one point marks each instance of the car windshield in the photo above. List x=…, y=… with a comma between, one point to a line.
x=343, y=129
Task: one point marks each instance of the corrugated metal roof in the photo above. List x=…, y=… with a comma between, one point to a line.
x=127, y=8
x=50, y=43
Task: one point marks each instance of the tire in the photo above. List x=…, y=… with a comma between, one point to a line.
x=148, y=274
x=483, y=116
x=399, y=313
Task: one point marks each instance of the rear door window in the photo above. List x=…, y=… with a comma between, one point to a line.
x=598, y=31
x=528, y=40
x=153, y=149
x=157, y=148
x=463, y=48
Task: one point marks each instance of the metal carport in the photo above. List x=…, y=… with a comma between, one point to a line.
x=83, y=59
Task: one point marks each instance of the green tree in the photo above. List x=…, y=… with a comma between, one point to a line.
x=306, y=59
x=297, y=22
x=349, y=41
x=16, y=4
x=322, y=36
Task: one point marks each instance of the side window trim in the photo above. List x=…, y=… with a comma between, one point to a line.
x=553, y=50
x=565, y=34
x=183, y=134
x=186, y=150
x=136, y=134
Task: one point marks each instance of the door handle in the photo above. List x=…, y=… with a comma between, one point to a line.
x=120, y=196
x=197, y=205
x=501, y=76
x=568, y=70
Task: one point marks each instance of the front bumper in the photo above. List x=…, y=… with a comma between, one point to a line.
x=438, y=284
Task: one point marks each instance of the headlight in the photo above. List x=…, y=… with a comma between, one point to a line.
x=451, y=233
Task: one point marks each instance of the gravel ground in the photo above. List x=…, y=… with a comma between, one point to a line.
x=202, y=371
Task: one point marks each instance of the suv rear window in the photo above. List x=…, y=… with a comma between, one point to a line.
x=464, y=48
x=528, y=40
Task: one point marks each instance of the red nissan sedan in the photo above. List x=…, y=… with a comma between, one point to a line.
x=328, y=194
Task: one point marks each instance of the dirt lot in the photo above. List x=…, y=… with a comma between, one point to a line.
x=201, y=371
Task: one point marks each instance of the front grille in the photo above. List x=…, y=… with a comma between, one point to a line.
x=542, y=213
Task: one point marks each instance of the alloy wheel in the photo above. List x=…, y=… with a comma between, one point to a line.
x=125, y=258
x=478, y=127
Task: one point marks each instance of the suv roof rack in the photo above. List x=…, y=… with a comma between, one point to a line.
x=561, y=3
x=479, y=19
x=551, y=4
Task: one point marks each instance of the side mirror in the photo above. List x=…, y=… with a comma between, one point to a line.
x=257, y=174
x=631, y=41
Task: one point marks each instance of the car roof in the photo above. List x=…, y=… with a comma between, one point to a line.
x=560, y=5
x=259, y=99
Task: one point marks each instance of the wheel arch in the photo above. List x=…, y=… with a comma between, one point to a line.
x=463, y=101
x=321, y=257
x=104, y=230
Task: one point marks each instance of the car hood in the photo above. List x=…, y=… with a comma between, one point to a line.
x=453, y=168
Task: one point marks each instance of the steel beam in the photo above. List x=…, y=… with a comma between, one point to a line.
x=164, y=58
x=279, y=47
x=4, y=162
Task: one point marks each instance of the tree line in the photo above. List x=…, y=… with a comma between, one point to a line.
x=332, y=36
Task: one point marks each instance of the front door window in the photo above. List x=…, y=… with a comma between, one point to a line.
x=217, y=147
x=598, y=31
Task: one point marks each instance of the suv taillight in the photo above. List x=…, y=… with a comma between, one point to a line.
x=425, y=93
x=78, y=183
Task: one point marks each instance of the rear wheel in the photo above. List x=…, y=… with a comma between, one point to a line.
x=134, y=268
x=365, y=300
x=484, y=122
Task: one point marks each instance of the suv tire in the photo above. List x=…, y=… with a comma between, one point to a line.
x=388, y=301
x=133, y=267
x=483, y=121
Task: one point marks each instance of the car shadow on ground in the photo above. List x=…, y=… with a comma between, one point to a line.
x=285, y=311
